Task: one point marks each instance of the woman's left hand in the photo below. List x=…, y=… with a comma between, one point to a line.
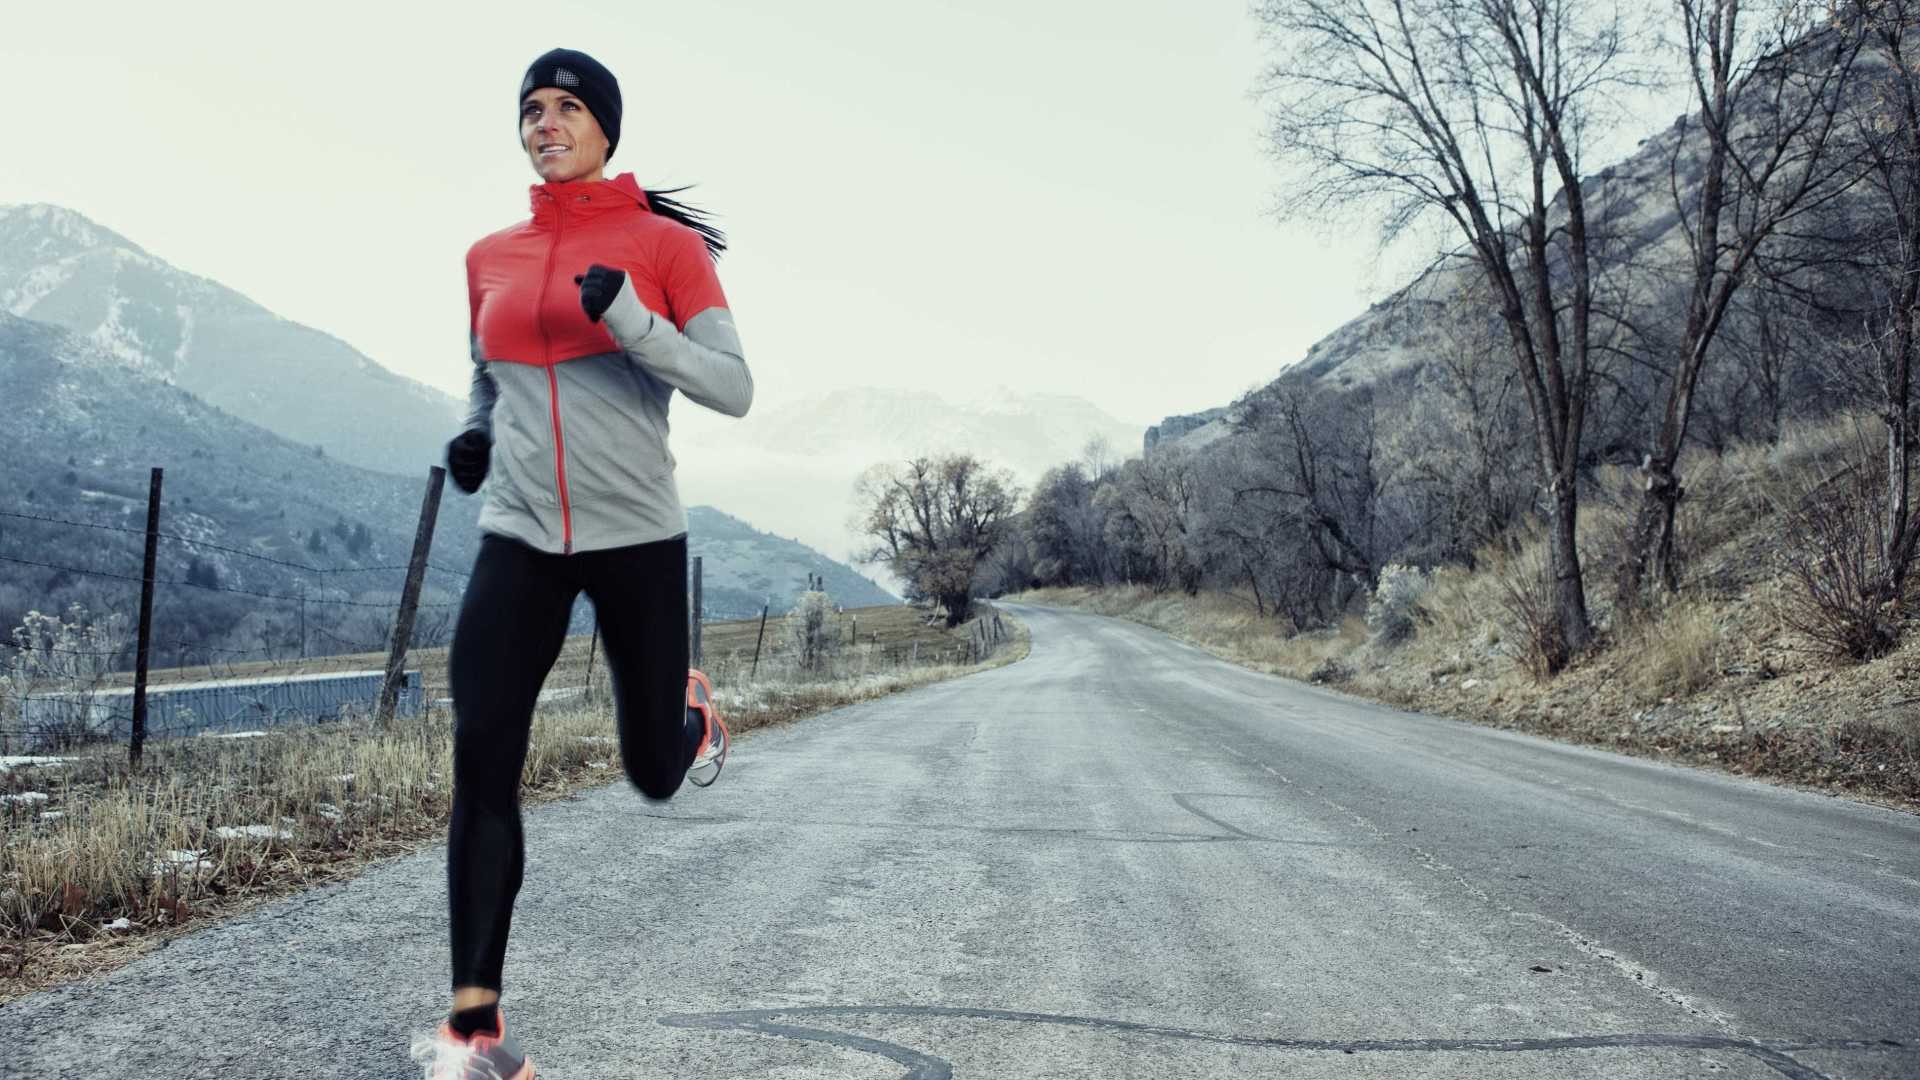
x=598, y=286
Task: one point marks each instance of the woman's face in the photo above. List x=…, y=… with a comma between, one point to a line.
x=561, y=137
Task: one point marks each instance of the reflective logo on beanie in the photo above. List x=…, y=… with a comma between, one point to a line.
x=563, y=77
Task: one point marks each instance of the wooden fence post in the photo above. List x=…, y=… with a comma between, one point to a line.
x=696, y=614
x=410, y=595
x=592, y=647
x=138, y=741
x=756, y=641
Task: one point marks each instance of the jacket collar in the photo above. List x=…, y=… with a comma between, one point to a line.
x=584, y=199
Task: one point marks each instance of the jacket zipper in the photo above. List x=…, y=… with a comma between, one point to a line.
x=553, y=393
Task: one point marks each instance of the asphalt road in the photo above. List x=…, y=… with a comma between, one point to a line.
x=1117, y=858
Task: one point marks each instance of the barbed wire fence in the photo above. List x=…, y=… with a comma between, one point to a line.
x=66, y=682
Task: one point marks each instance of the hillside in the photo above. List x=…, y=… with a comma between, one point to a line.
x=746, y=568
x=84, y=431
x=141, y=313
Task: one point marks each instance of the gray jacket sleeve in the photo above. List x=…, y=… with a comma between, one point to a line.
x=482, y=393
x=705, y=363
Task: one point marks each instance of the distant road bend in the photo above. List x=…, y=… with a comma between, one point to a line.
x=1117, y=858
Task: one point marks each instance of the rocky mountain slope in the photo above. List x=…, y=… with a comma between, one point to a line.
x=141, y=313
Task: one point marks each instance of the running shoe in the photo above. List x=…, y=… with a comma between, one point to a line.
x=710, y=753
x=483, y=1056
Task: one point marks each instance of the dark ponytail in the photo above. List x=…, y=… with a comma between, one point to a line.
x=688, y=216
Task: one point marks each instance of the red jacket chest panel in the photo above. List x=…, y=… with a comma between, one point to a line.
x=525, y=305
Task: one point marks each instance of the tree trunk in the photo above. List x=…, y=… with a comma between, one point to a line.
x=1901, y=531
x=1569, y=594
x=1650, y=541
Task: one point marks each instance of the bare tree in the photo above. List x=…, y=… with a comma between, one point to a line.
x=1464, y=431
x=1097, y=458
x=1064, y=528
x=1258, y=543
x=1474, y=109
x=1769, y=104
x=1321, y=454
x=1879, y=360
x=934, y=520
x=1150, y=506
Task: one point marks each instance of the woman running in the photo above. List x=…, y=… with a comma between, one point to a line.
x=584, y=321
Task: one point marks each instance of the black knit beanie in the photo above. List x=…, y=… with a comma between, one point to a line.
x=583, y=77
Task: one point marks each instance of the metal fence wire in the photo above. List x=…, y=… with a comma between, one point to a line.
x=62, y=718
x=59, y=690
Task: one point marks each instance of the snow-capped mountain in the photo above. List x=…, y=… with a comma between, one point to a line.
x=138, y=311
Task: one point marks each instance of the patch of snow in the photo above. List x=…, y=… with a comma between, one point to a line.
x=561, y=693
x=184, y=862
x=29, y=761
x=251, y=832
x=120, y=925
x=328, y=811
x=117, y=340
x=34, y=288
x=234, y=735
x=186, y=335
x=344, y=778
x=25, y=798
x=52, y=815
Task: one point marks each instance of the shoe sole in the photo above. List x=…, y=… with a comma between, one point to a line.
x=718, y=761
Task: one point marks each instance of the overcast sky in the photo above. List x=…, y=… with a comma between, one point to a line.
x=1059, y=196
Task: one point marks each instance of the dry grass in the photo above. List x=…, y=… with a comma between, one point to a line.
x=1679, y=652
x=107, y=844
x=1222, y=623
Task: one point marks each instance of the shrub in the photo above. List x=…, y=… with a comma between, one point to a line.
x=812, y=641
x=1526, y=592
x=1329, y=671
x=1394, y=612
x=1842, y=594
x=71, y=656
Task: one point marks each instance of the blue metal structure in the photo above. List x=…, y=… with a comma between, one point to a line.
x=212, y=707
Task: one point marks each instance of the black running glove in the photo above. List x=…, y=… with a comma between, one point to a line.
x=598, y=286
x=467, y=457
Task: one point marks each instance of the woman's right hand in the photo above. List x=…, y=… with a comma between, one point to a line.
x=468, y=455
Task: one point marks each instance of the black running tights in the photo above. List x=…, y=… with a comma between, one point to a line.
x=513, y=620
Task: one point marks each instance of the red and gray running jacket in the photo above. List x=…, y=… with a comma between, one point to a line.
x=578, y=410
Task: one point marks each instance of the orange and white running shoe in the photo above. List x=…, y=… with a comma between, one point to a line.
x=710, y=754
x=482, y=1056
